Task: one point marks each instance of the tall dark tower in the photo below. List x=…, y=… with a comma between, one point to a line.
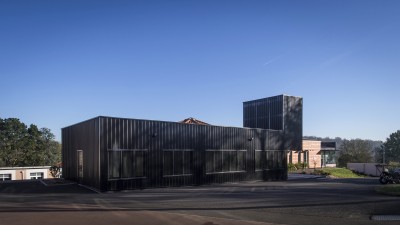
x=280, y=112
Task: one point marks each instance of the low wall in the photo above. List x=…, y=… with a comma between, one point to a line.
x=365, y=168
x=330, y=165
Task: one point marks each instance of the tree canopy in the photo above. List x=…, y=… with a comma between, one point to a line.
x=355, y=151
x=21, y=145
x=392, y=147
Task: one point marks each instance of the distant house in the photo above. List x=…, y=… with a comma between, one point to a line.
x=25, y=173
x=315, y=153
x=192, y=120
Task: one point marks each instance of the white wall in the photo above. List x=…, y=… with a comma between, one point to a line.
x=28, y=173
x=365, y=168
x=12, y=172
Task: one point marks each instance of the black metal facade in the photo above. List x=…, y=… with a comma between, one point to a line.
x=123, y=154
x=83, y=137
x=104, y=141
x=280, y=112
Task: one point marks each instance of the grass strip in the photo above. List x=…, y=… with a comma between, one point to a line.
x=339, y=173
x=391, y=189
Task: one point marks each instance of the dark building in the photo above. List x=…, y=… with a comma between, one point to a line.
x=110, y=154
x=280, y=112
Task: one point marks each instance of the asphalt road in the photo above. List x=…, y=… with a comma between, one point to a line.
x=301, y=200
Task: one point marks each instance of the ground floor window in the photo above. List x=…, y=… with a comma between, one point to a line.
x=126, y=163
x=218, y=161
x=257, y=159
x=177, y=162
x=5, y=177
x=36, y=175
x=327, y=157
x=305, y=157
x=114, y=164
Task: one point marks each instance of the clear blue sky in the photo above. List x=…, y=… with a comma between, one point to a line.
x=62, y=62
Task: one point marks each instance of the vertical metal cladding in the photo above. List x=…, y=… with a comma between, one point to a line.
x=282, y=112
x=83, y=137
x=163, y=141
x=266, y=113
x=282, y=115
x=123, y=154
x=293, y=122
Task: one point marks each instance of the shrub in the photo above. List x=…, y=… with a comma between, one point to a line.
x=301, y=165
x=292, y=167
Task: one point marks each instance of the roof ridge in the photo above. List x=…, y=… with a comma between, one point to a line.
x=192, y=120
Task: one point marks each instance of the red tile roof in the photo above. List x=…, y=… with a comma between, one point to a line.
x=192, y=120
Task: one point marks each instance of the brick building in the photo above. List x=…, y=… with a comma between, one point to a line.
x=316, y=154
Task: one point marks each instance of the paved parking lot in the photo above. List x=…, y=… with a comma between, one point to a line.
x=308, y=200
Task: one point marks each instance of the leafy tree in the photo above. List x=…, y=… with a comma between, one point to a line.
x=355, y=151
x=378, y=154
x=391, y=147
x=27, y=146
x=13, y=135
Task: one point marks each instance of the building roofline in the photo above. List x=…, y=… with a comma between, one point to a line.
x=82, y=122
x=186, y=124
x=273, y=97
x=24, y=167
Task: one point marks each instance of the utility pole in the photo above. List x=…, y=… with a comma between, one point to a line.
x=383, y=149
